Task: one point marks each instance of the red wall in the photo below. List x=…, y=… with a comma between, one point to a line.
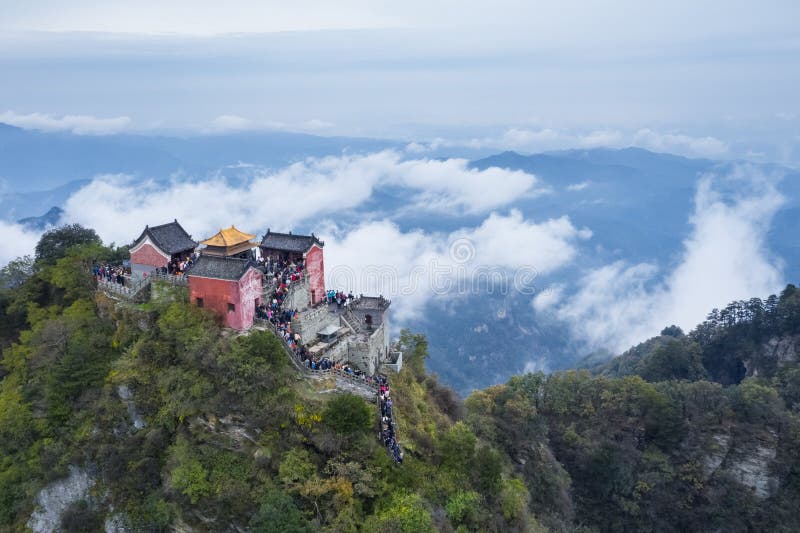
x=218, y=293
x=147, y=255
x=315, y=272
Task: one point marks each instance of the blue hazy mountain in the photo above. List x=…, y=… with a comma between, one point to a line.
x=53, y=165
x=49, y=219
x=30, y=204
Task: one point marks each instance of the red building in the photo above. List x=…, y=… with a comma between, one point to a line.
x=291, y=248
x=230, y=286
x=158, y=246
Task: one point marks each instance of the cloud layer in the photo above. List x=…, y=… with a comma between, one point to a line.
x=725, y=258
x=78, y=124
x=505, y=253
x=318, y=187
x=537, y=140
x=17, y=241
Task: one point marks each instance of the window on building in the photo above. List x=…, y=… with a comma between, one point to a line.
x=231, y=308
x=199, y=302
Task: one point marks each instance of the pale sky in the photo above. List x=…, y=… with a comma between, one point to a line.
x=560, y=72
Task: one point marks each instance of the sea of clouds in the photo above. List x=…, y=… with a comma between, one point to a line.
x=612, y=306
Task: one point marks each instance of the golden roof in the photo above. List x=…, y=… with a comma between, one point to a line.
x=228, y=237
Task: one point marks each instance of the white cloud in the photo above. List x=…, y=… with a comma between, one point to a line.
x=416, y=148
x=604, y=138
x=114, y=204
x=451, y=184
x=551, y=139
x=316, y=124
x=17, y=241
x=78, y=124
x=231, y=123
x=679, y=143
x=548, y=297
x=514, y=242
x=575, y=187
x=377, y=257
x=519, y=138
x=237, y=123
x=725, y=258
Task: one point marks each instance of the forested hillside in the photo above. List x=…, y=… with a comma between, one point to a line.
x=150, y=417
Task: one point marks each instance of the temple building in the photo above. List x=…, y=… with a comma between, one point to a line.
x=230, y=242
x=158, y=246
x=291, y=248
x=230, y=286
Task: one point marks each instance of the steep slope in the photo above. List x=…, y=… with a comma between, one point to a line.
x=151, y=417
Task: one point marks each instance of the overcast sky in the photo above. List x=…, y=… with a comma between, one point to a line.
x=704, y=78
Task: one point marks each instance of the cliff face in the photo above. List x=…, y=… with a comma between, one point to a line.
x=774, y=354
x=751, y=463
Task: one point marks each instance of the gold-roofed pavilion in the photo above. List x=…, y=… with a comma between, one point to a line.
x=229, y=242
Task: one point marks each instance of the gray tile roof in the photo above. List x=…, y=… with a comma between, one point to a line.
x=287, y=242
x=230, y=268
x=170, y=238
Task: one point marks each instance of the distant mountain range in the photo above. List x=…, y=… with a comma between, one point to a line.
x=41, y=169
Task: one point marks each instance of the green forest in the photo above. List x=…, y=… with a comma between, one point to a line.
x=177, y=424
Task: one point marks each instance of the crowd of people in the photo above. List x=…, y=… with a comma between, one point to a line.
x=178, y=266
x=284, y=273
x=339, y=297
x=388, y=433
x=109, y=273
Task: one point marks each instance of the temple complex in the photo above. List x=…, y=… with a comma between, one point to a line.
x=226, y=275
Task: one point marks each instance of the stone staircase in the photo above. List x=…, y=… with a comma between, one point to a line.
x=344, y=381
x=352, y=321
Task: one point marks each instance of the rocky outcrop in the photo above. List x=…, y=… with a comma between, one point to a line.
x=783, y=350
x=718, y=452
x=232, y=431
x=752, y=469
x=55, y=498
x=126, y=396
x=748, y=463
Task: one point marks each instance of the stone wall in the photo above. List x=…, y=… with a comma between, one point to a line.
x=163, y=291
x=366, y=352
x=299, y=295
x=308, y=323
x=338, y=353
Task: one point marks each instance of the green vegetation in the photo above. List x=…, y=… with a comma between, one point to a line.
x=233, y=436
x=655, y=440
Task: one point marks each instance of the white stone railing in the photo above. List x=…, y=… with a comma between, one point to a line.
x=181, y=280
